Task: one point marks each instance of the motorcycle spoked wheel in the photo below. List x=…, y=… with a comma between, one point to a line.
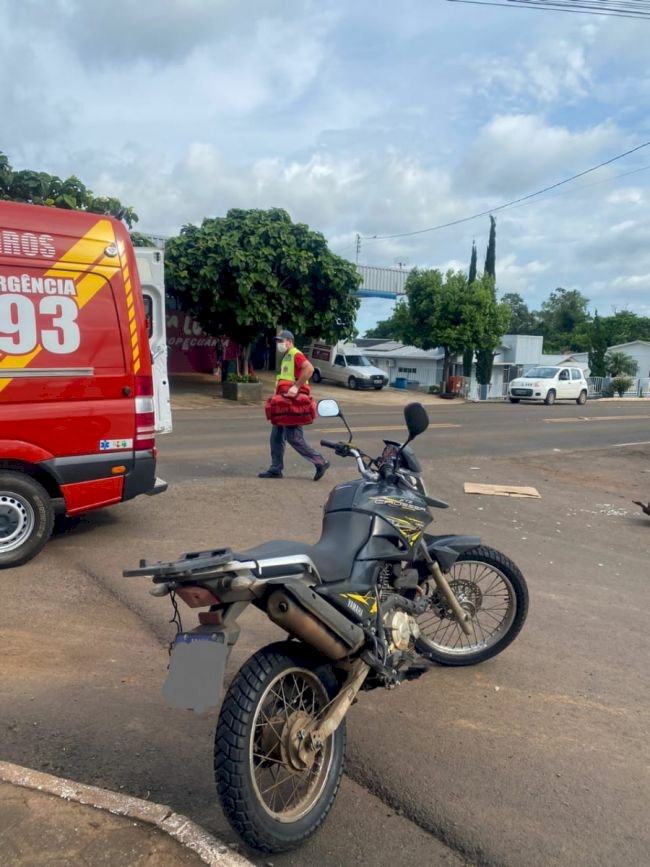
x=273, y=806
x=490, y=587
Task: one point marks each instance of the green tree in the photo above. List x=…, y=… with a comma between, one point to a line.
x=485, y=348
x=140, y=240
x=620, y=364
x=384, y=329
x=562, y=314
x=491, y=252
x=444, y=311
x=468, y=352
x=625, y=326
x=41, y=188
x=472, y=265
x=492, y=318
x=521, y=321
x=597, y=347
x=252, y=270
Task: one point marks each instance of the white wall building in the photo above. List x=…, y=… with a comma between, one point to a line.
x=639, y=350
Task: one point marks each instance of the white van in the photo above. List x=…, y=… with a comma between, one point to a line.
x=344, y=363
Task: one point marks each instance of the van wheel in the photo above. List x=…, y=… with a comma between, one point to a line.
x=549, y=400
x=26, y=518
x=352, y=383
x=582, y=400
x=316, y=377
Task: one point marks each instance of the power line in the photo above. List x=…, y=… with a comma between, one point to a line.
x=638, y=9
x=506, y=204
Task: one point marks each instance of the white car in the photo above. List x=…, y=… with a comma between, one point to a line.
x=550, y=384
x=350, y=368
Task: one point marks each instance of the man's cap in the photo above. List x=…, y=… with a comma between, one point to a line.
x=284, y=335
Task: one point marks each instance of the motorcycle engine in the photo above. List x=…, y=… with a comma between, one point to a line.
x=402, y=630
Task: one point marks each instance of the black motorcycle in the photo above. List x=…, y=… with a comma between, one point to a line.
x=370, y=604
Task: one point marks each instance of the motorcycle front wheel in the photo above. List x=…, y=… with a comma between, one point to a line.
x=271, y=803
x=492, y=590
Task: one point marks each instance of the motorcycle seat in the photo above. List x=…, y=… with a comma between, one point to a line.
x=344, y=534
x=329, y=566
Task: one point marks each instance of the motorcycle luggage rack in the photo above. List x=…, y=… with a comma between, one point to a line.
x=189, y=565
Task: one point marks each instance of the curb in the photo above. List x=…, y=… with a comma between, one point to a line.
x=209, y=849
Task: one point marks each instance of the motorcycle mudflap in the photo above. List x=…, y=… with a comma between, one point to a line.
x=196, y=670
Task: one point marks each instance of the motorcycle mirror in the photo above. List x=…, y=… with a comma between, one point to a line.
x=328, y=409
x=417, y=420
x=331, y=409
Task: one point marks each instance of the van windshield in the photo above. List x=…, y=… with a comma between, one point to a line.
x=541, y=372
x=357, y=361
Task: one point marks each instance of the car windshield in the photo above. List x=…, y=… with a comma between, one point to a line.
x=357, y=361
x=541, y=373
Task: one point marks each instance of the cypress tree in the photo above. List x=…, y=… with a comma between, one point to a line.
x=468, y=354
x=485, y=356
x=491, y=253
x=472, y=265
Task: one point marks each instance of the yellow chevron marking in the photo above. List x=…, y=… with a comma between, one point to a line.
x=86, y=251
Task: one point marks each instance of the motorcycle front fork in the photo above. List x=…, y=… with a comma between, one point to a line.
x=447, y=593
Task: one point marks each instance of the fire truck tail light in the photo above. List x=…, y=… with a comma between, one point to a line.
x=144, y=413
x=144, y=404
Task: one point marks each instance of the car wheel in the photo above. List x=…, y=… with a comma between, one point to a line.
x=549, y=400
x=582, y=400
x=352, y=383
x=515, y=399
x=316, y=377
x=26, y=518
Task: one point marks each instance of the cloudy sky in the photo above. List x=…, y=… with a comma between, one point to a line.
x=376, y=118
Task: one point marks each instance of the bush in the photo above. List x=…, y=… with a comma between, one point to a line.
x=242, y=377
x=608, y=390
x=434, y=389
x=621, y=384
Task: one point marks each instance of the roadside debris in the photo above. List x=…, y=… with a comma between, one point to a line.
x=502, y=490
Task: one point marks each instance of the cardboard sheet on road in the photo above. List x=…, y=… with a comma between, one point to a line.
x=502, y=490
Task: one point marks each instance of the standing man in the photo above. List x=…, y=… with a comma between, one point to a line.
x=295, y=371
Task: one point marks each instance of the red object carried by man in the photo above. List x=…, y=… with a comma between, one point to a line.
x=290, y=411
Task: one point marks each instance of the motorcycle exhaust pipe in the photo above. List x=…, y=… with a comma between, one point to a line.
x=290, y=614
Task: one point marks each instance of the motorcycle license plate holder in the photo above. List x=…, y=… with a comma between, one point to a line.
x=197, y=668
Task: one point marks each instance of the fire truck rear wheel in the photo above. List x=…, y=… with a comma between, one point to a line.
x=26, y=518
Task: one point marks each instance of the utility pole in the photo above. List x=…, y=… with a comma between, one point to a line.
x=358, y=247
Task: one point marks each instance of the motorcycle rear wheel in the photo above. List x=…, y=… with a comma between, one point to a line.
x=271, y=805
x=490, y=587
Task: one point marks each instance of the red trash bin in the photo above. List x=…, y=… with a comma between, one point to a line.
x=454, y=384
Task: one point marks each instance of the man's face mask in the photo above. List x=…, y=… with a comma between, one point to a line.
x=282, y=346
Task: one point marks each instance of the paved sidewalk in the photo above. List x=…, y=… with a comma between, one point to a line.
x=201, y=390
x=46, y=821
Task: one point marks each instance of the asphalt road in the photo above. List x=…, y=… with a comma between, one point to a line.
x=536, y=757
x=234, y=440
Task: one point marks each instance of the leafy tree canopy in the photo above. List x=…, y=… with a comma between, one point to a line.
x=383, y=330
x=41, y=188
x=140, y=240
x=253, y=269
x=522, y=320
x=562, y=315
x=446, y=311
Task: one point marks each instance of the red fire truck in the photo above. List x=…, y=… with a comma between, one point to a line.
x=77, y=420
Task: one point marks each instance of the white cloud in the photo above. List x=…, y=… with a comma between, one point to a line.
x=356, y=118
x=555, y=70
x=515, y=154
